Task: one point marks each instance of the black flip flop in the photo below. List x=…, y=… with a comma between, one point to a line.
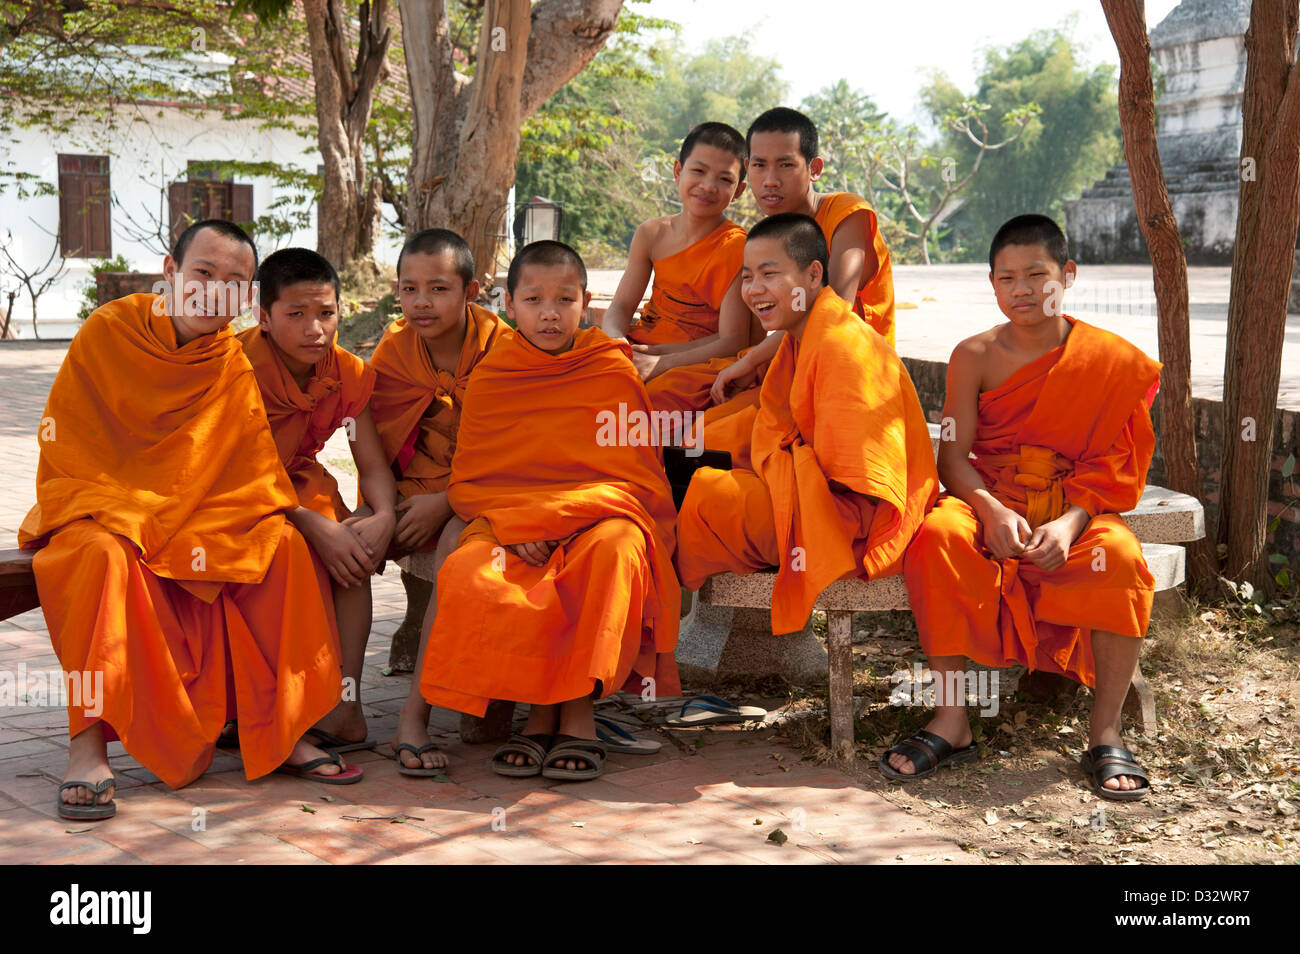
x=1104, y=762
x=532, y=746
x=928, y=753
x=420, y=772
x=96, y=811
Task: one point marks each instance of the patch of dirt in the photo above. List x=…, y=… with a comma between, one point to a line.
x=1224, y=761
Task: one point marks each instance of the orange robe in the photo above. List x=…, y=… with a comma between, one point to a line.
x=684, y=304
x=727, y=426
x=303, y=419
x=416, y=406
x=1071, y=428
x=541, y=458
x=167, y=562
x=843, y=471
x=875, y=299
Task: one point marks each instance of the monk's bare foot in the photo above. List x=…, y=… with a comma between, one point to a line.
x=1110, y=736
x=345, y=721
x=87, y=762
x=951, y=726
x=305, y=752
x=413, y=729
x=542, y=720
x=577, y=719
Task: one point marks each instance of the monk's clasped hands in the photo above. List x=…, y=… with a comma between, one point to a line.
x=419, y=517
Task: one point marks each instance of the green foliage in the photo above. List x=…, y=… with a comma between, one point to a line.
x=89, y=296
x=605, y=144
x=1070, y=143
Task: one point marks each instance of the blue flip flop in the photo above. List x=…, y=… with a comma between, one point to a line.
x=710, y=710
x=618, y=739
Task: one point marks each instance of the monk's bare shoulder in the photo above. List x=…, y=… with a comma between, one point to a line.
x=650, y=233
x=976, y=349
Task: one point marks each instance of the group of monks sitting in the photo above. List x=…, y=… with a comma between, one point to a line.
x=195, y=551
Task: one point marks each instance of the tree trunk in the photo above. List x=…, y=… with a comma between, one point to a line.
x=1137, y=115
x=1262, y=259
x=348, y=214
x=467, y=131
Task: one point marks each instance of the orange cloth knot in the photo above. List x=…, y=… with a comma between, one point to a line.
x=1040, y=471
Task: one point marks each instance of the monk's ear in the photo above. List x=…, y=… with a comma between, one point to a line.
x=815, y=168
x=472, y=290
x=816, y=276
x=394, y=289
x=1071, y=273
x=169, y=269
x=677, y=169
x=586, y=299
x=264, y=318
x=740, y=187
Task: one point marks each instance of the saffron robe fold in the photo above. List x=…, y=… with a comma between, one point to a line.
x=1070, y=428
x=843, y=470
x=875, y=298
x=690, y=384
x=540, y=457
x=302, y=419
x=689, y=287
x=417, y=406
x=684, y=304
x=167, y=562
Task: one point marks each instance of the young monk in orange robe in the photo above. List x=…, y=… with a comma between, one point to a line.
x=695, y=312
x=167, y=567
x=1026, y=559
x=563, y=579
x=422, y=367
x=843, y=468
x=311, y=387
x=783, y=166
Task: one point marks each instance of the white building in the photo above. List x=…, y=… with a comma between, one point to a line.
x=122, y=189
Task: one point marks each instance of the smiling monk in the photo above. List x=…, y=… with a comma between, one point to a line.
x=167, y=565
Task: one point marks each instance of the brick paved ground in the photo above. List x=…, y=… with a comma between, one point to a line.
x=718, y=805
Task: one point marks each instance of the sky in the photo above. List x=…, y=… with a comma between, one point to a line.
x=887, y=48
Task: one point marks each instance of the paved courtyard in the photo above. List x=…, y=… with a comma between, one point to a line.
x=714, y=803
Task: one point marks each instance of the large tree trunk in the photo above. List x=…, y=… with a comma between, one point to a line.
x=466, y=135
x=1267, y=219
x=348, y=214
x=1137, y=115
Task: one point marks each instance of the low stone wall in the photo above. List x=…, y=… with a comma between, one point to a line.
x=110, y=286
x=929, y=378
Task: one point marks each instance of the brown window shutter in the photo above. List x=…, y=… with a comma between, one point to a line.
x=72, y=223
x=241, y=204
x=178, y=208
x=99, y=217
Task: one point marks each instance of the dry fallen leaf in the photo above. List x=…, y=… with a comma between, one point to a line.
x=990, y=817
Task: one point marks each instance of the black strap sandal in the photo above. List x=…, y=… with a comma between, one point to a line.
x=530, y=746
x=417, y=751
x=928, y=753
x=591, y=751
x=96, y=811
x=1104, y=762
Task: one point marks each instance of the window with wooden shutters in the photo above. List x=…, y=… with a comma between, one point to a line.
x=206, y=195
x=85, y=207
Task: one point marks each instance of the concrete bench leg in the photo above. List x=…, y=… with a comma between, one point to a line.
x=737, y=641
x=494, y=726
x=406, y=641
x=839, y=628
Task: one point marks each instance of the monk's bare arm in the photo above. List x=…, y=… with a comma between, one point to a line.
x=740, y=371
x=853, y=256
x=378, y=489
x=1005, y=531
x=374, y=476
x=632, y=286
x=732, y=336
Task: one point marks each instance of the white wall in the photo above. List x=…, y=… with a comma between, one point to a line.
x=149, y=149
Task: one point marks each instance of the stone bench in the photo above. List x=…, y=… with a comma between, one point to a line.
x=729, y=628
